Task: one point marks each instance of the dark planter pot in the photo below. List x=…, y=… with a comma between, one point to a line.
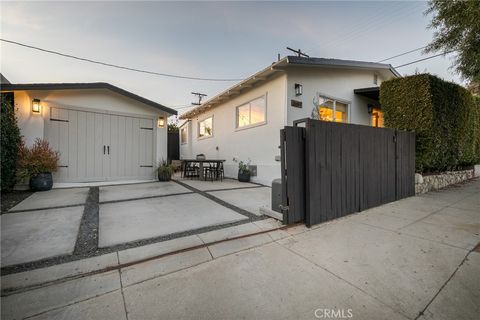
x=41, y=182
x=243, y=176
x=164, y=176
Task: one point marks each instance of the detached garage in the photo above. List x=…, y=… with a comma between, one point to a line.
x=101, y=131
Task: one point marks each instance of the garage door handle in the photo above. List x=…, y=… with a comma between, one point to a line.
x=108, y=149
x=103, y=149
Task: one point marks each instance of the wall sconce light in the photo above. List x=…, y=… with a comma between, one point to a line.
x=370, y=109
x=161, y=122
x=298, y=89
x=36, y=108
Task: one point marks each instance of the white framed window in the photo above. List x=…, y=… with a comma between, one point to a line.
x=205, y=128
x=252, y=113
x=330, y=109
x=183, y=135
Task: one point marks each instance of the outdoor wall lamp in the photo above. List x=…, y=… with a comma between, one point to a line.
x=298, y=89
x=161, y=122
x=36, y=108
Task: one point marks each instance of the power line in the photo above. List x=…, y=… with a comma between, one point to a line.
x=115, y=65
x=427, y=58
x=402, y=54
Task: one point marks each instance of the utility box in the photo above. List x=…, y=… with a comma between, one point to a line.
x=276, y=195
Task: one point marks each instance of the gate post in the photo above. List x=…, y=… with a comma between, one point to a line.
x=292, y=145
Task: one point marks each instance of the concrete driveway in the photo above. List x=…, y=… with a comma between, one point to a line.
x=411, y=259
x=61, y=224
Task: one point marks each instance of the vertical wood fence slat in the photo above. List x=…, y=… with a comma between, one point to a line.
x=294, y=174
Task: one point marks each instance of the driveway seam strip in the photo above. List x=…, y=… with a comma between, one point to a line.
x=87, y=235
x=241, y=211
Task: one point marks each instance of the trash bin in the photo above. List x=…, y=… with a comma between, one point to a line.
x=276, y=195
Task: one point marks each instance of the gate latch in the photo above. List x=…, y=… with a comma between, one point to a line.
x=283, y=208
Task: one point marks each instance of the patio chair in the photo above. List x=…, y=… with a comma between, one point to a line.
x=214, y=171
x=190, y=170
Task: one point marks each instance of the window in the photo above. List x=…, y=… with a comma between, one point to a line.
x=205, y=128
x=183, y=135
x=377, y=118
x=332, y=110
x=253, y=112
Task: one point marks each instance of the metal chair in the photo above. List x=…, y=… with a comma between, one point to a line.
x=190, y=170
x=214, y=171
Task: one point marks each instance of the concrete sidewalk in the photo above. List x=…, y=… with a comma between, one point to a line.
x=411, y=259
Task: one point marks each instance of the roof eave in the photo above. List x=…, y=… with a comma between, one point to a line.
x=262, y=75
x=84, y=86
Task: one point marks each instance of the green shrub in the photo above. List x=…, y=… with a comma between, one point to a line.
x=444, y=116
x=10, y=140
x=40, y=158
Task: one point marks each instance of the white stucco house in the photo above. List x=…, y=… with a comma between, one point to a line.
x=244, y=121
x=102, y=132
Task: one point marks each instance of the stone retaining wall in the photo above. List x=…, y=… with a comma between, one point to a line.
x=425, y=184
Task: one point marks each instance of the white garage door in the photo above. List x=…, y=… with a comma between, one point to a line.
x=98, y=147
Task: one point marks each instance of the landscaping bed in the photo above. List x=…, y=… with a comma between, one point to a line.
x=11, y=199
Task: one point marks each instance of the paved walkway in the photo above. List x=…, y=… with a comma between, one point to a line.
x=411, y=259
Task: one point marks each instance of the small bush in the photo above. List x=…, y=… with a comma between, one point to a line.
x=40, y=158
x=10, y=141
x=444, y=116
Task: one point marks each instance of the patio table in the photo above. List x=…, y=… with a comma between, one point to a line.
x=201, y=162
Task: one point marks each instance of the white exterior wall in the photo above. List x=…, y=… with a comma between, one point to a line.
x=335, y=83
x=32, y=125
x=259, y=144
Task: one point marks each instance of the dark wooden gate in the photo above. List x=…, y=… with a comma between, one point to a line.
x=173, y=146
x=330, y=170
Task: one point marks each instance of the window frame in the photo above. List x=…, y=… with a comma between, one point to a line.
x=184, y=127
x=198, y=127
x=257, y=124
x=335, y=100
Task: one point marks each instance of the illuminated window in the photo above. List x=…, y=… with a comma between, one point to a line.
x=205, y=128
x=332, y=110
x=251, y=113
x=183, y=135
x=377, y=118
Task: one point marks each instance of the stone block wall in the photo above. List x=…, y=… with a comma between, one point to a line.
x=428, y=183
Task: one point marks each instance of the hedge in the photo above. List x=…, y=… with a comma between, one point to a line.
x=444, y=116
x=10, y=141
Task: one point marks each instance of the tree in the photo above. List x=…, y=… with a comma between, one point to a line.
x=172, y=127
x=457, y=25
x=10, y=141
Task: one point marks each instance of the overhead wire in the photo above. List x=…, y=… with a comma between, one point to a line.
x=114, y=65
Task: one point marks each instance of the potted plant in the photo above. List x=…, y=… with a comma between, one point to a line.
x=243, y=171
x=165, y=171
x=37, y=164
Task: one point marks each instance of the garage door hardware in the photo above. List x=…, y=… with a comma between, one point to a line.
x=108, y=149
x=59, y=120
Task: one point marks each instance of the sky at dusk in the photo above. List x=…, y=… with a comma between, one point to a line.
x=204, y=39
